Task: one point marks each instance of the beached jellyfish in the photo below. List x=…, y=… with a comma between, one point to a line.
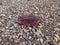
x=28, y=20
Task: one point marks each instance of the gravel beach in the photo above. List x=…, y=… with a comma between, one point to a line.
x=46, y=33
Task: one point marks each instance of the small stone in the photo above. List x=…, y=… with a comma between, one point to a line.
x=38, y=39
x=0, y=23
x=14, y=36
x=3, y=35
x=40, y=25
x=6, y=27
x=30, y=28
x=0, y=39
x=28, y=0
x=0, y=3
x=41, y=40
x=55, y=40
x=56, y=29
x=58, y=23
x=57, y=36
x=9, y=17
x=2, y=14
x=30, y=37
x=36, y=12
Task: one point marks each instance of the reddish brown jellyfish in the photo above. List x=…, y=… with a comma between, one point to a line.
x=28, y=20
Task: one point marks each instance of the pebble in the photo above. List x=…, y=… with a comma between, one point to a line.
x=56, y=29
x=3, y=15
x=41, y=40
x=30, y=37
x=9, y=17
x=0, y=39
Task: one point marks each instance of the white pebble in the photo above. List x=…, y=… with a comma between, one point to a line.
x=10, y=17
x=0, y=39
x=6, y=27
x=2, y=14
x=41, y=40
x=30, y=37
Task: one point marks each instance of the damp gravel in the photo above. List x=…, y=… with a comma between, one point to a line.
x=46, y=33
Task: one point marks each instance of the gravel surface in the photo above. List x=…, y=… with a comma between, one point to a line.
x=46, y=33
